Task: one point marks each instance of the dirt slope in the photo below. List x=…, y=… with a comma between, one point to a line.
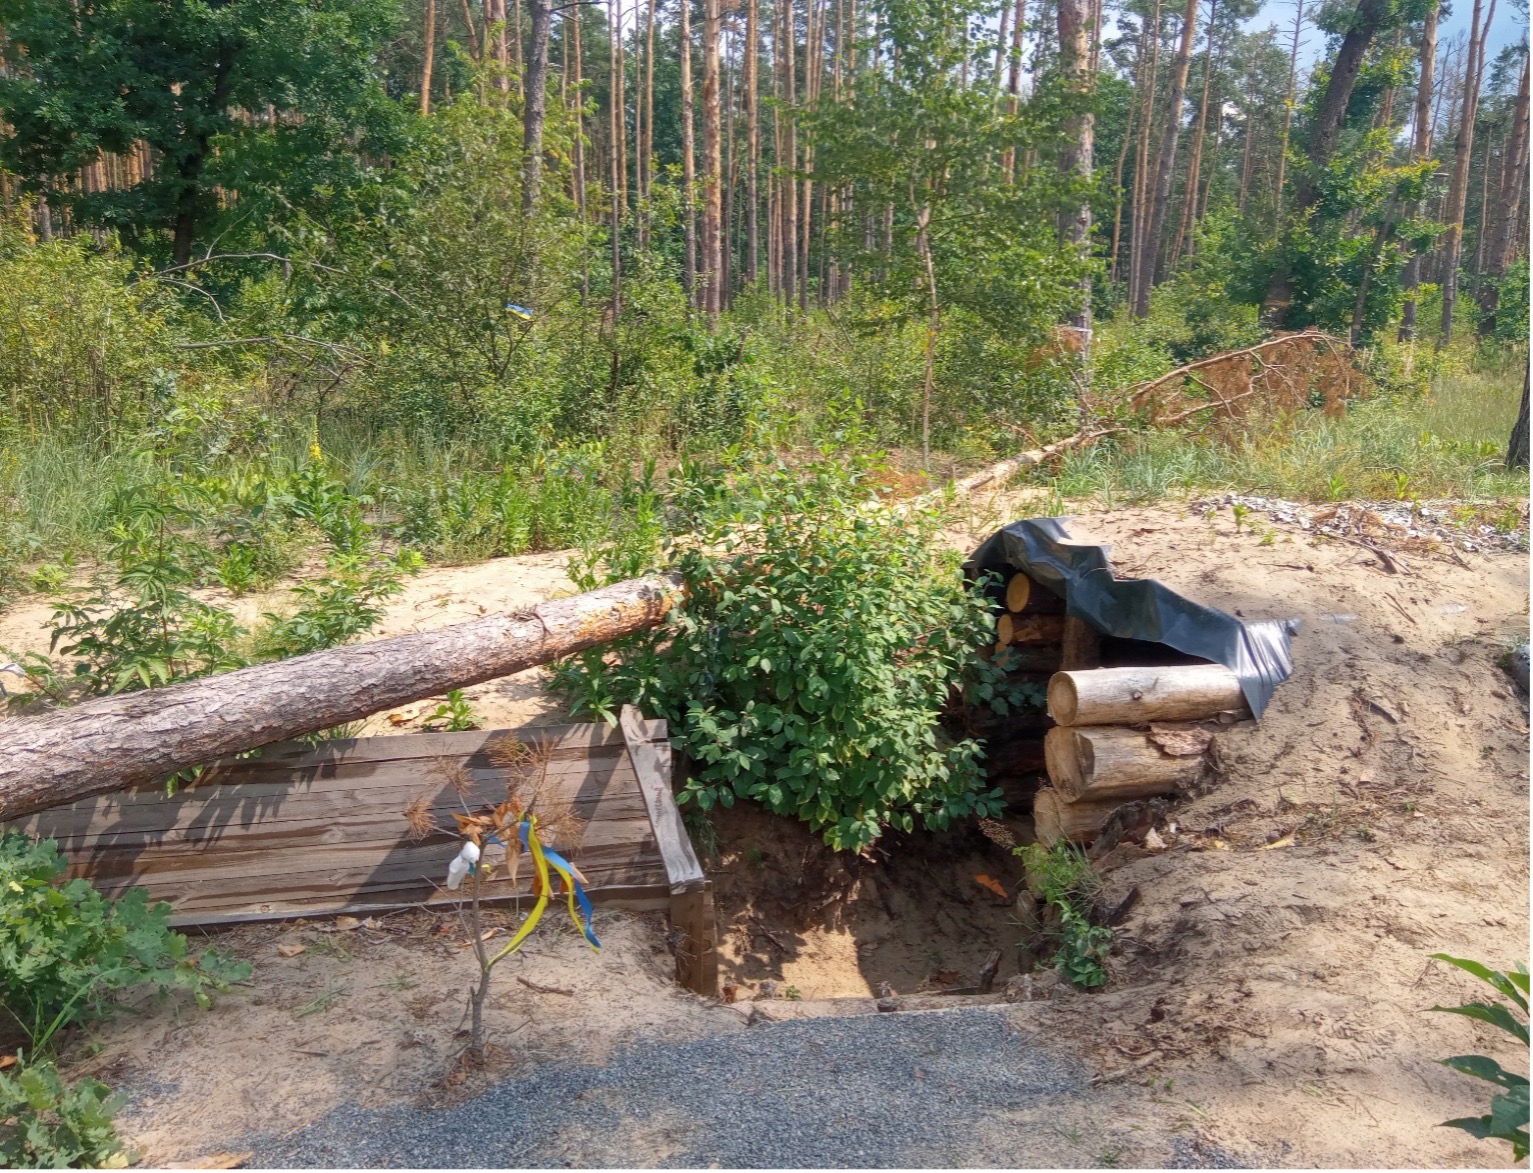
x=1278, y=958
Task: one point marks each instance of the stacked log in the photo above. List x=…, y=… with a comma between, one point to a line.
x=1121, y=734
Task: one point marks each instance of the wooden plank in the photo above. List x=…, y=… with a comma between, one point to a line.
x=652, y=764
x=633, y=898
x=236, y=789
x=697, y=956
x=606, y=791
x=318, y=830
x=1080, y=645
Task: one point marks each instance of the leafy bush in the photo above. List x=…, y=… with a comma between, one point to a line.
x=145, y=629
x=46, y=1125
x=1068, y=884
x=65, y=949
x=821, y=637
x=1508, y=1116
x=333, y=610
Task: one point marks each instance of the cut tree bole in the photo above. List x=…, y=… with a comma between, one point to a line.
x=1133, y=696
x=1029, y=629
x=1023, y=594
x=121, y=741
x=1107, y=761
x=1077, y=822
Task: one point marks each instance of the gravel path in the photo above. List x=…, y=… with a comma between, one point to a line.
x=911, y=1090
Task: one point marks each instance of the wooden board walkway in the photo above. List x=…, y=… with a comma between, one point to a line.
x=313, y=831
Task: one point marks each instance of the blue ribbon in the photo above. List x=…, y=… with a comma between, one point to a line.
x=566, y=869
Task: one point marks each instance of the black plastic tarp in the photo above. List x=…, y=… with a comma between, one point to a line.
x=1139, y=608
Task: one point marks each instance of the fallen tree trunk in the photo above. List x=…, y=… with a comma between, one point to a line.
x=1107, y=761
x=1133, y=696
x=121, y=741
x=1075, y=822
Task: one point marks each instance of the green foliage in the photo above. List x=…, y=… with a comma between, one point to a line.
x=821, y=638
x=555, y=501
x=144, y=630
x=1508, y=1116
x=45, y=1124
x=65, y=950
x=82, y=344
x=1512, y=304
x=454, y=715
x=1065, y=879
x=81, y=81
x=332, y=610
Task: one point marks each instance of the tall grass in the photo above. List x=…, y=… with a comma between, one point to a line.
x=1449, y=441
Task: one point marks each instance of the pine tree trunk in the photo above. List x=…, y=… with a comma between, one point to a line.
x=1421, y=147
x=534, y=112
x=428, y=56
x=1076, y=159
x=136, y=738
x=688, y=161
x=1517, y=446
x=1195, y=161
x=1514, y=182
x=1288, y=106
x=1141, y=213
x=753, y=145
x=615, y=134
x=1167, y=164
x=1458, y=187
x=713, y=171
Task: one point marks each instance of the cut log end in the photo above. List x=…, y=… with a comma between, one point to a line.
x=1056, y=821
x=1018, y=590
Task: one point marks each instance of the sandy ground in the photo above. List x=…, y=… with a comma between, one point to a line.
x=1270, y=990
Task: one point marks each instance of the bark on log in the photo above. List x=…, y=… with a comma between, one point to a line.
x=120, y=741
x=1133, y=696
x=1025, y=595
x=1029, y=629
x=1107, y=761
x=1075, y=822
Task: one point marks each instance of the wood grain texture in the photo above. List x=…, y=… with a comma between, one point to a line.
x=1134, y=696
x=315, y=830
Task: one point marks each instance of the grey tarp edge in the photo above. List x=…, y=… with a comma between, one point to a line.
x=1139, y=608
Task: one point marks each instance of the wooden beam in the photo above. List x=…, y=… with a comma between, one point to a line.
x=692, y=917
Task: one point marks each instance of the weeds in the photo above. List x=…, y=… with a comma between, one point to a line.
x=65, y=949
x=1508, y=1116
x=1064, y=878
x=46, y=1124
x=454, y=715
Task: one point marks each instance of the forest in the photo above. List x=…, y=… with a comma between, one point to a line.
x=485, y=255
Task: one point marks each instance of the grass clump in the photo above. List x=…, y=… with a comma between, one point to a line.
x=1067, y=883
x=1447, y=440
